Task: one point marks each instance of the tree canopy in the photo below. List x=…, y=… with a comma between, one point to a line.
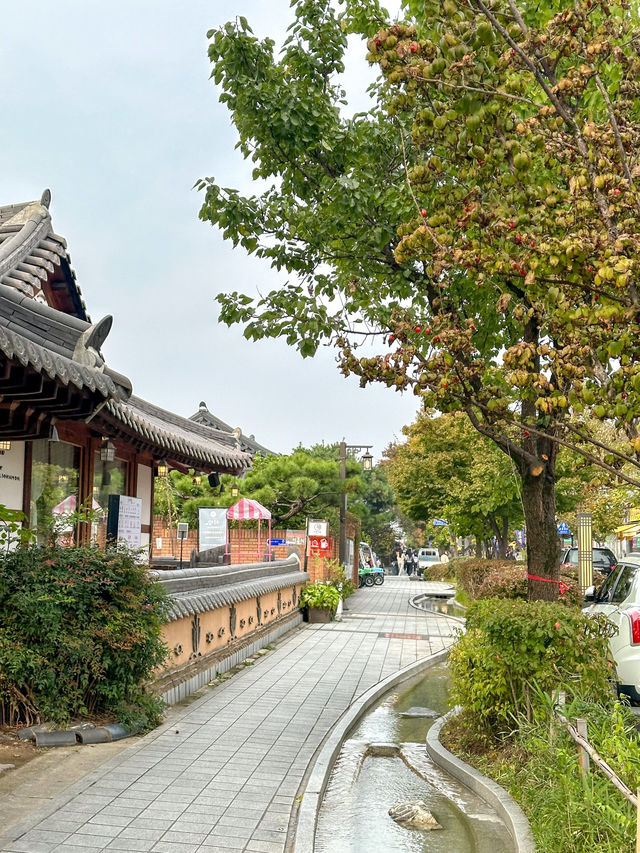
x=294, y=486
x=473, y=236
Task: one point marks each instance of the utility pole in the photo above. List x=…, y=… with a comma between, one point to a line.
x=343, y=502
x=367, y=464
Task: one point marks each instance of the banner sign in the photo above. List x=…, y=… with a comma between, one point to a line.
x=124, y=521
x=212, y=527
x=296, y=537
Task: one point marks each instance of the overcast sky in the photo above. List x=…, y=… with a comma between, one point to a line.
x=110, y=106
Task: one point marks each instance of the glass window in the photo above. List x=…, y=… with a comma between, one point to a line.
x=55, y=472
x=109, y=478
x=604, y=596
x=623, y=587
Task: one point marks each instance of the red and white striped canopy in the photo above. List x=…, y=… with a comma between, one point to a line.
x=248, y=510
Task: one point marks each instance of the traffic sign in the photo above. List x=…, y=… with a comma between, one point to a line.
x=440, y=522
x=563, y=529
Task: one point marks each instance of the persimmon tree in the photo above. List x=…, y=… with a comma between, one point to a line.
x=473, y=236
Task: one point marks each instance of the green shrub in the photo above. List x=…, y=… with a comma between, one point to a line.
x=338, y=578
x=80, y=633
x=438, y=572
x=514, y=649
x=471, y=572
x=509, y=580
x=506, y=582
x=320, y=595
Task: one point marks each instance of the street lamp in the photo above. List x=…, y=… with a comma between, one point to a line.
x=367, y=463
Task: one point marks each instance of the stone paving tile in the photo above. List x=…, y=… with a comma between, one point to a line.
x=229, y=778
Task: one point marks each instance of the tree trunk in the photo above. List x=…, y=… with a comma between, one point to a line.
x=543, y=547
x=501, y=534
x=478, y=548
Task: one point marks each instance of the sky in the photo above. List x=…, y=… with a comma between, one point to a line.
x=111, y=107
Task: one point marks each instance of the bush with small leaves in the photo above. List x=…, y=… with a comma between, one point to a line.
x=80, y=634
x=514, y=649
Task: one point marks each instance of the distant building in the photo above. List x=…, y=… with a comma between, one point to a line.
x=234, y=437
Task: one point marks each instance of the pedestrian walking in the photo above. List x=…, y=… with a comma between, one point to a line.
x=400, y=562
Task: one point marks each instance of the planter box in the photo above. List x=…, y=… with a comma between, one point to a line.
x=320, y=614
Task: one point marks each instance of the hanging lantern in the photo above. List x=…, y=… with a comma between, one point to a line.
x=107, y=451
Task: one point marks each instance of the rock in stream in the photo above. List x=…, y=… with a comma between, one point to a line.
x=414, y=815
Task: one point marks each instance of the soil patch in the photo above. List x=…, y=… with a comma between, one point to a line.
x=14, y=751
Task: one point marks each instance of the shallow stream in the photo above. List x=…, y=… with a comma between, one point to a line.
x=364, y=784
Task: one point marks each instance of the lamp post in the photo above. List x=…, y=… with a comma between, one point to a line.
x=367, y=463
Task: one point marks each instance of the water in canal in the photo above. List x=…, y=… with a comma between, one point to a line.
x=364, y=784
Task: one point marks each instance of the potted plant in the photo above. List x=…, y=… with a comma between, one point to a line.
x=320, y=601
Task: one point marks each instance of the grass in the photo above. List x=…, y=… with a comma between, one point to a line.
x=539, y=767
x=463, y=597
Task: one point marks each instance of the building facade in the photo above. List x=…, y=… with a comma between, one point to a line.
x=72, y=434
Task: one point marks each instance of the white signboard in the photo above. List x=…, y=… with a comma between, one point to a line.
x=318, y=527
x=129, y=515
x=212, y=527
x=12, y=475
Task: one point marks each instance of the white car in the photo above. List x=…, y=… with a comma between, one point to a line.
x=619, y=600
x=427, y=557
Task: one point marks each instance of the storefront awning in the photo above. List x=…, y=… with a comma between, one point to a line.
x=626, y=531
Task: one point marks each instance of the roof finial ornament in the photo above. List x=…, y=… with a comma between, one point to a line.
x=45, y=200
x=203, y=406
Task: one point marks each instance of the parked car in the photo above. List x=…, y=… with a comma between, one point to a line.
x=619, y=599
x=604, y=560
x=427, y=557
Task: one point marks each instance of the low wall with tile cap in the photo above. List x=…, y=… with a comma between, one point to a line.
x=220, y=615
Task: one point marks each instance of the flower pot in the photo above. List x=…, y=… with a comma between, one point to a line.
x=320, y=614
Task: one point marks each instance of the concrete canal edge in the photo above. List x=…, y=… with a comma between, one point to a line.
x=503, y=803
x=302, y=831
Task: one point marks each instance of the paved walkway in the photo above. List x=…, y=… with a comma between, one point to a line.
x=224, y=774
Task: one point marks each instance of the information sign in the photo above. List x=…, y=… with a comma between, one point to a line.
x=124, y=522
x=318, y=527
x=319, y=546
x=212, y=527
x=274, y=542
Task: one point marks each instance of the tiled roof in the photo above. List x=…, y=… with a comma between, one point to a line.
x=234, y=437
x=167, y=434
x=199, y=590
x=34, y=260
x=50, y=366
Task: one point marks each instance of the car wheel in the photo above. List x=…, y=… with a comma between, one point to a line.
x=378, y=580
x=368, y=581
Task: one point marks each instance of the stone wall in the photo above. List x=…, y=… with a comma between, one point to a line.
x=221, y=615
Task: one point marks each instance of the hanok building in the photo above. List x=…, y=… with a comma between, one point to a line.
x=71, y=432
x=232, y=436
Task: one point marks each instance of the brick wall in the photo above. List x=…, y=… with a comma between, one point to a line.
x=244, y=545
